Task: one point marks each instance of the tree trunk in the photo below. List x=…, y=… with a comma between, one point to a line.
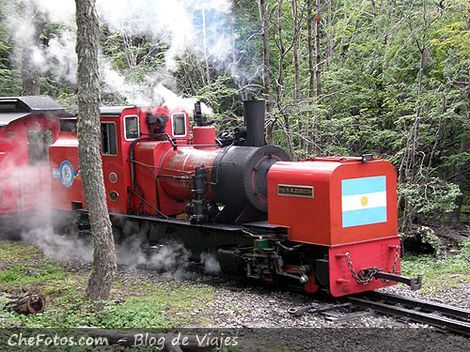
x=206, y=55
x=317, y=50
x=281, y=80
x=329, y=35
x=295, y=61
x=266, y=77
x=311, y=68
x=295, y=50
x=28, y=69
x=89, y=133
x=282, y=54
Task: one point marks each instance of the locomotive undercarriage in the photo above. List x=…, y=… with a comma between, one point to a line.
x=249, y=252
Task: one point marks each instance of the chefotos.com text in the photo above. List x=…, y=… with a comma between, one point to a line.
x=40, y=340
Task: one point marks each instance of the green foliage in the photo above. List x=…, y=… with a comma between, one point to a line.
x=440, y=274
x=72, y=310
x=9, y=77
x=13, y=253
x=429, y=198
x=220, y=95
x=135, y=312
x=395, y=84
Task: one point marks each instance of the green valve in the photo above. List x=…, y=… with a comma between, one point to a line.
x=261, y=244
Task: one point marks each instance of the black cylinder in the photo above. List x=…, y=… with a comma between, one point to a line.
x=240, y=176
x=254, y=121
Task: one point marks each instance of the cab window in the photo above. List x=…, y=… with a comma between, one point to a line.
x=131, y=127
x=108, y=138
x=179, y=124
x=38, y=145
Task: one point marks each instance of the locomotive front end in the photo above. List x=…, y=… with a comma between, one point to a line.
x=348, y=208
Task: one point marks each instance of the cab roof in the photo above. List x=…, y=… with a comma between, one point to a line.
x=113, y=110
x=15, y=108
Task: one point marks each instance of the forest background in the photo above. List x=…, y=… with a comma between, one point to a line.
x=387, y=77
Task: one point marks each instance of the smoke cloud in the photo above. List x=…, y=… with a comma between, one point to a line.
x=202, y=27
x=133, y=252
x=149, y=91
x=34, y=219
x=211, y=264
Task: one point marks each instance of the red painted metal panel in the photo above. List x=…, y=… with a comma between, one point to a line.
x=25, y=181
x=117, y=168
x=147, y=157
x=65, y=149
x=379, y=253
x=174, y=175
x=204, y=136
x=317, y=219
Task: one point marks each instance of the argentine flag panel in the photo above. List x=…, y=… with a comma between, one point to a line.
x=364, y=201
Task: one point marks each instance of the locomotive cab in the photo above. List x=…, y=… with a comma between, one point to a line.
x=121, y=128
x=28, y=125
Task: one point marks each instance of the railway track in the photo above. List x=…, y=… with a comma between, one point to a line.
x=439, y=315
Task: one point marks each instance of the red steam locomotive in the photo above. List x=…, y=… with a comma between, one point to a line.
x=324, y=223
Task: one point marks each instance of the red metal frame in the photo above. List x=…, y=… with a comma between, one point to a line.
x=380, y=254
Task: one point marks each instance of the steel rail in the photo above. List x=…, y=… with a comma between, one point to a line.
x=439, y=321
x=444, y=309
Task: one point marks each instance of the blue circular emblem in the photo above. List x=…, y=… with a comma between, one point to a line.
x=67, y=173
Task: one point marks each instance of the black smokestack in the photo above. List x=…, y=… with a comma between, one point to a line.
x=254, y=122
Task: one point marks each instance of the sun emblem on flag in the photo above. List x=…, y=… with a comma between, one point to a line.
x=364, y=201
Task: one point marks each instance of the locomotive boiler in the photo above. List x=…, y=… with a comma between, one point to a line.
x=325, y=223
x=217, y=183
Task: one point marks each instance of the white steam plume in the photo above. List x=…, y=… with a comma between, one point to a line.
x=131, y=252
x=199, y=26
x=211, y=264
x=171, y=257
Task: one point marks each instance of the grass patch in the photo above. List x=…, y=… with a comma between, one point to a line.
x=440, y=274
x=141, y=304
x=19, y=274
x=73, y=310
x=23, y=268
x=15, y=252
x=152, y=309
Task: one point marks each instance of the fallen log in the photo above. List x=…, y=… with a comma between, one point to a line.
x=29, y=304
